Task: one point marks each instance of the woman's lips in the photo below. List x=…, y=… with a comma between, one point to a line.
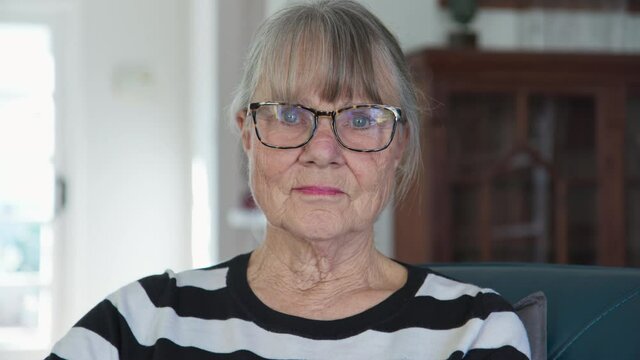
x=319, y=190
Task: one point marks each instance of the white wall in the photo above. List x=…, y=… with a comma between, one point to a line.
x=238, y=20
x=129, y=167
x=422, y=23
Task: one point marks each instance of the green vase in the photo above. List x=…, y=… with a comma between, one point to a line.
x=463, y=11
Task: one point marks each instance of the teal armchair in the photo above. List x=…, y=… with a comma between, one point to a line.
x=592, y=312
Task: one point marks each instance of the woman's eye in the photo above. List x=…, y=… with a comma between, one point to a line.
x=360, y=122
x=290, y=116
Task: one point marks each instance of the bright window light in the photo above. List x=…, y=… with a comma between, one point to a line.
x=27, y=178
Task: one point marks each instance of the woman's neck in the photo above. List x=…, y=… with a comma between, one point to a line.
x=303, y=277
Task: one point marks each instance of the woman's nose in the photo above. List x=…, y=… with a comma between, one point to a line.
x=323, y=149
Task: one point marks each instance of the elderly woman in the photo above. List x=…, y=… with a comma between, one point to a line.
x=328, y=121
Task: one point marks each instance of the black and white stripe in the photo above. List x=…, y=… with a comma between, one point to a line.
x=212, y=314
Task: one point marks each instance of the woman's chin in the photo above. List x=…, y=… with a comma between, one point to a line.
x=317, y=220
x=317, y=227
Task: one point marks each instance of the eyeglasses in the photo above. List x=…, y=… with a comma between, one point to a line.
x=362, y=128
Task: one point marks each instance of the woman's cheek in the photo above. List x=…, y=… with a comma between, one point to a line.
x=266, y=174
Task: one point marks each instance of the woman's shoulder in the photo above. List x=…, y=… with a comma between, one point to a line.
x=451, y=296
x=170, y=287
x=144, y=313
x=444, y=287
x=453, y=307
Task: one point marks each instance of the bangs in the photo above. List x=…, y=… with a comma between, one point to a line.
x=326, y=56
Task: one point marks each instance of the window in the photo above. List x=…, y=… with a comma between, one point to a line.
x=27, y=181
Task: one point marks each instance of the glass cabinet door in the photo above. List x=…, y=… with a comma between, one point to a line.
x=479, y=129
x=563, y=130
x=532, y=199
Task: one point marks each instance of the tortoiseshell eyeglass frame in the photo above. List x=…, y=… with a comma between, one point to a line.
x=397, y=112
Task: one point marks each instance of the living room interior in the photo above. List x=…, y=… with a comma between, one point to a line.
x=531, y=144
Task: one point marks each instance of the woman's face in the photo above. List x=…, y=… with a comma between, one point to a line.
x=321, y=190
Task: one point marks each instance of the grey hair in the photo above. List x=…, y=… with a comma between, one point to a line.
x=341, y=50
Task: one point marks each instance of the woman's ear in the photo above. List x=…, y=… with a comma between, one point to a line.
x=245, y=131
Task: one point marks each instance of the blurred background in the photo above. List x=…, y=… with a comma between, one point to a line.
x=117, y=159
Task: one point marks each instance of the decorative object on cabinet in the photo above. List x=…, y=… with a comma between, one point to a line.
x=462, y=12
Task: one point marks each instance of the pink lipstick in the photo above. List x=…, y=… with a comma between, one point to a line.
x=319, y=190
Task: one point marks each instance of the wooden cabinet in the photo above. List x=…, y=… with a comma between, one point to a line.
x=527, y=157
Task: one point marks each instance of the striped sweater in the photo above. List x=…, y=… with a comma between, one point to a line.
x=212, y=313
